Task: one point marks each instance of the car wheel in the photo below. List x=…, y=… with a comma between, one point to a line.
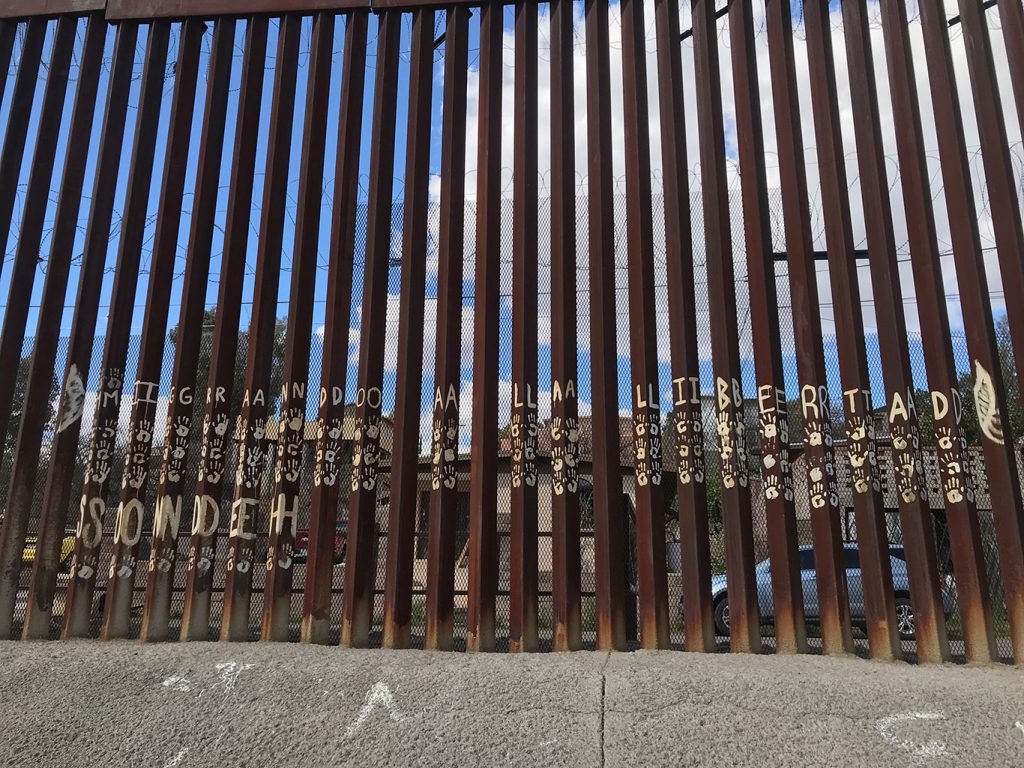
x=904, y=618
x=722, y=616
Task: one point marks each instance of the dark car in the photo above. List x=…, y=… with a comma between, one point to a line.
x=808, y=578
x=340, y=543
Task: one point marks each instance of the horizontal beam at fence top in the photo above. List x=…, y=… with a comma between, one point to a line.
x=142, y=10
x=150, y=9
x=20, y=9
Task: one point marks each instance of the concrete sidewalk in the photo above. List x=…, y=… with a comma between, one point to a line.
x=215, y=704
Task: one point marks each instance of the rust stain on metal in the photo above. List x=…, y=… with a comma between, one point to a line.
x=47, y=52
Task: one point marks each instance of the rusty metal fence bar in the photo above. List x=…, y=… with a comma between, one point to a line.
x=954, y=466
x=447, y=379
x=79, y=603
x=291, y=429
x=135, y=483
x=402, y=520
x=64, y=446
x=361, y=568
x=873, y=544
x=1009, y=237
x=252, y=424
x=932, y=640
x=609, y=525
x=177, y=458
x=523, y=514
x=331, y=420
x=565, y=425
x=217, y=432
x=538, y=514
x=776, y=470
x=483, y=522
x=1000, y=458
x=686, y=383
x=744, y=619
x=26, y=453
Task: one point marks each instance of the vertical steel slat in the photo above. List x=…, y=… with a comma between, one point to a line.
x=652, y=583
x=687, y=418
x=89, y=535
x=915, y=516
x=8, y=31
x=20, y=112
x=405, y=459
x=131, y=509
x=957, y=483
x=1011, y=17
x=776, y=469
x=444, y=469
x=566, y=564
x=609, y=516
x=361, y=562
x=820, y=462
x=483, y=490
x=26, y=257
x=213, y=455
x=1009, y=236
x=64, y=448
x=744, y=621
x=869, y=511
x=178, y=431
x=29, y=239
x=252, y=424
x=688, y=421
x=522, y=625
x=323, y=516
x=25, y=465
x=291, y=427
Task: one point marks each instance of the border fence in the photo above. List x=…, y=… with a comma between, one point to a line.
x=539, y=326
